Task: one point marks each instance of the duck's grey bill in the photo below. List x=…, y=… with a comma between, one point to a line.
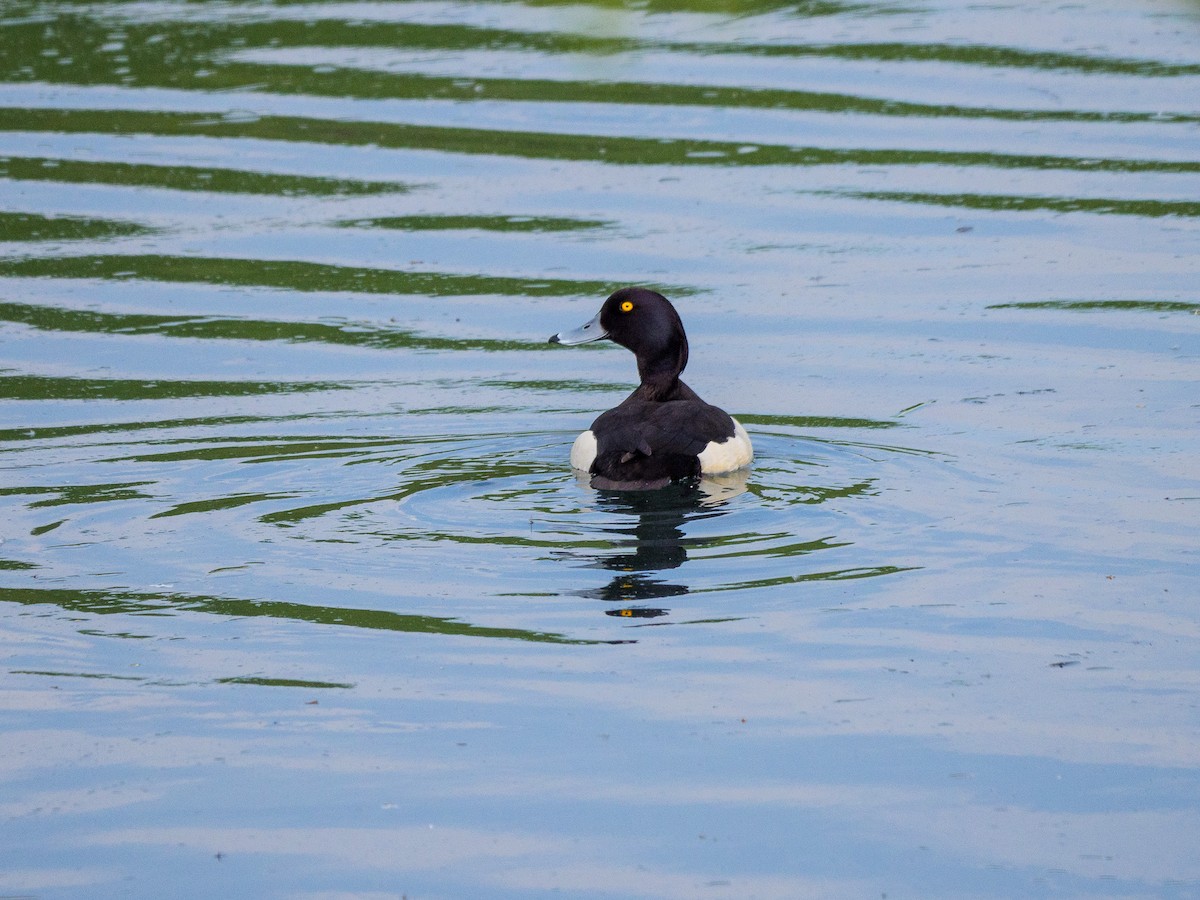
x=592, y=331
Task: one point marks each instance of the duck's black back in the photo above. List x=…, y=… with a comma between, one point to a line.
x=648, y=443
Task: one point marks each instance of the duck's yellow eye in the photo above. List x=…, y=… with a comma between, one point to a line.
x=627, y=306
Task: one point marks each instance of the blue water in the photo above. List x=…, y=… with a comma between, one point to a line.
x=299, y=596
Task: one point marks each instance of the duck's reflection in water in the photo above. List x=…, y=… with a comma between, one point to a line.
x=654, y=541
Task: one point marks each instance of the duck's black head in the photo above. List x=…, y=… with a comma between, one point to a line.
x=644, y=321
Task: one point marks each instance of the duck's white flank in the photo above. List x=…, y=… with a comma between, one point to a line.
x=583, y=451
x=729, y=455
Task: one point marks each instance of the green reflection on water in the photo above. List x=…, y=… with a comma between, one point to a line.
x=44, y=432
x=218, y=503
x=272, y=449
x=50, y=387
x=102, y=676
x=805, y=8
x=187, y=178
x=282, y=682
x=115, y=602
x=1106, y=305
x=30, y=227
x=1008, y=203
x=304, y=80
x=814, y=494
x=291, y=275
x=568, y=385
x=543, y=145
x=481, y=223
x=815, y=421
x=355, y=334
x=421, y=477
x=75, y=47
x=773, y=550
x=62, y=495
x=833, y=575
x=984, y=55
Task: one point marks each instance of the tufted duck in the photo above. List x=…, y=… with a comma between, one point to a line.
x=662, y=431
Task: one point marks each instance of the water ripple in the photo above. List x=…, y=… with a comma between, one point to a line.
x=512, y=500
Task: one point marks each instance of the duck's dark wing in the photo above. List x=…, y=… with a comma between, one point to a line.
x=644, y=444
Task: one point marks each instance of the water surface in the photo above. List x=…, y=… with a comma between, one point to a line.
x=300, y=598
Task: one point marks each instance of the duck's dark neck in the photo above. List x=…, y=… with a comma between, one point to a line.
x=660, y=374
x=663, y=386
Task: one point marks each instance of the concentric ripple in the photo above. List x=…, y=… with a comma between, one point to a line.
x=511, y=501
x=472, y=527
